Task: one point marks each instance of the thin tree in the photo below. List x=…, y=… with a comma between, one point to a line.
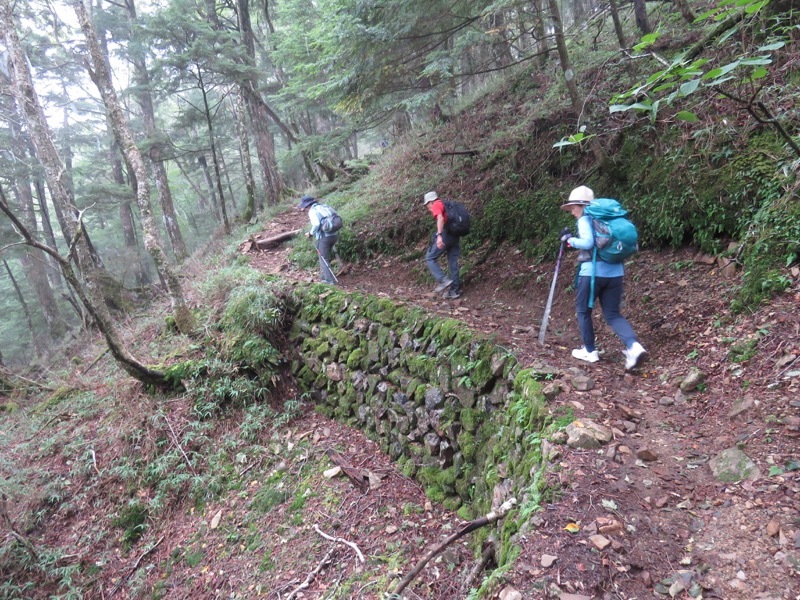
x=572, y=87
x=244, y=153
x=154, y=136
x=37, y=343
x=100, y=73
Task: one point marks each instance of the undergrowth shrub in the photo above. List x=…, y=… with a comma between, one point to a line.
x=772, y=246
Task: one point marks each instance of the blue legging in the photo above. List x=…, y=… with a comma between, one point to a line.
x=609, y=291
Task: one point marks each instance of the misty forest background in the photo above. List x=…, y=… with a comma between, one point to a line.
x=135, y=133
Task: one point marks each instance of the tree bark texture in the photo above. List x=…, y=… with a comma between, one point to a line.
x=240, y=118
x=101, y=75
x=156, y=152
x=260, y=115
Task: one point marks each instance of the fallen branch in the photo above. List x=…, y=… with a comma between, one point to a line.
x=359, y=477
x=486, y=556
x=323, y=563
x=491, y=517
x=460, y=153
x=264, y=243
x=179, y=447
x=6, y=520
x=341, y=541
x=135, y=566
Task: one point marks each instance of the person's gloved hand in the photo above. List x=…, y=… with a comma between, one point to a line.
x=565, y=234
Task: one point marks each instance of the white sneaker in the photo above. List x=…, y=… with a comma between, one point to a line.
x=582, y=354
x=634, y=355
x=443, y=285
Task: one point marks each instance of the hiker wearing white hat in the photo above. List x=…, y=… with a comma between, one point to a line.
x=442, y=242
x=598, y=277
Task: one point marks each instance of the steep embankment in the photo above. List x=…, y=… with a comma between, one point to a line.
x=715, y=381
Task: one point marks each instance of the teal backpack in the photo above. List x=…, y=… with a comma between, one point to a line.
x=615, y=237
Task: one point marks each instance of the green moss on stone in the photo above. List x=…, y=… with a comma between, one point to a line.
x=452, y=503
x=447, y=477
x=466, y=513
x=471, y=419
x=435, y=493
x=355, y=359
x=466, y=442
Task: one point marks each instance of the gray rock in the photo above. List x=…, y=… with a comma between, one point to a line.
x=733, y=465
x=587, y=434
x=434, y=399
x=741, y=405
x=551, y=389
x=582, y=383
x=334, y=371
x=693, y=379
x=432, y=442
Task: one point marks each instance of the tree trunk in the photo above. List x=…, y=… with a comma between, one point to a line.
x=156, y=153
x=55, y=172
x=240, y=118
x=640, y=12
x=686, y=11
x=101, y=76
x=617, y=24
x=260, y=115
x=214, y=158
x=572, y=87
x=35, y=263
x=38, y=346
x=210, y=184
x=96, y=310
x=41, y=200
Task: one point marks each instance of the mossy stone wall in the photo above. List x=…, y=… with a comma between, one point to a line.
x=456, y=411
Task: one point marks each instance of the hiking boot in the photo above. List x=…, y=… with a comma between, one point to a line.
x=583, y=354
x=443, y=285
x=451, y=294
x=634, y=355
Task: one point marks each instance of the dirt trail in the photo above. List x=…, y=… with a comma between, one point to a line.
x=665, y=524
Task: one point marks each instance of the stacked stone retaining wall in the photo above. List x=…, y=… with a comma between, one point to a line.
x=455, y=410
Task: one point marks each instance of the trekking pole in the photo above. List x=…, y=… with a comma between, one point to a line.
x=546, y=316
x=324, y=262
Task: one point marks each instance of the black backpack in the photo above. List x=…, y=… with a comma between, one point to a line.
x=458, y=219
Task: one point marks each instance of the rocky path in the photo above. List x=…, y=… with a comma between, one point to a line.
x=648, y=510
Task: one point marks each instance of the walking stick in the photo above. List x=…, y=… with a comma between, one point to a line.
x=546, y=316
x=324, y=262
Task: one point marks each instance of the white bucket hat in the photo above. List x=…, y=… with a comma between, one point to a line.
x=430, y=197
x=580, y=196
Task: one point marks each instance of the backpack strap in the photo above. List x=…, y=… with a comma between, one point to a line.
x=591, y=285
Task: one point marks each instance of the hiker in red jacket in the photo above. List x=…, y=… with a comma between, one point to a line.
x=442, y=243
